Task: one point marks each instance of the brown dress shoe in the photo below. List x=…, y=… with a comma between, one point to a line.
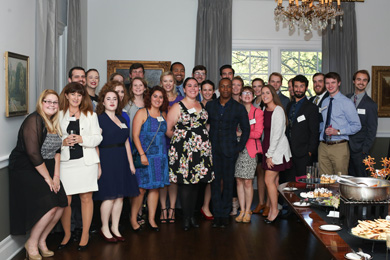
x=258, y=208
x=265, y=211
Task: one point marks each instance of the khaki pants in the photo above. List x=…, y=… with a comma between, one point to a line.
x=333, y=159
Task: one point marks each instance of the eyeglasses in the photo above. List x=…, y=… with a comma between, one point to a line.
x=246, y=93
x=200, y=73
x=51, y=102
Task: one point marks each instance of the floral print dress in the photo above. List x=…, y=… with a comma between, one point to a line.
x=190, y=159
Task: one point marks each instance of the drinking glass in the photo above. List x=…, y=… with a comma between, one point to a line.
x=71, y=132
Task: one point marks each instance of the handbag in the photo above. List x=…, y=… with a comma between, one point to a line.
x=136, y=156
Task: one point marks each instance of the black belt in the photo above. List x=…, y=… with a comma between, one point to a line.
x=334, y=142
x=112, y=145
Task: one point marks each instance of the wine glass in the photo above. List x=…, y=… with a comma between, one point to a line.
x=71, y=132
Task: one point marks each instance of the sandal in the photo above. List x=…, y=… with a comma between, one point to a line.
x=163, y=216
x=172, y=218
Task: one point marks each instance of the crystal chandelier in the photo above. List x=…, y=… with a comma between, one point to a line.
x=308, y=16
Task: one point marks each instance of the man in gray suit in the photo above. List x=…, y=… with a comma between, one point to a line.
x=275, y=80
x=361, y=142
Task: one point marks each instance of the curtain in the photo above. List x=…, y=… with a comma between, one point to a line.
x=214, y=36
x=339, y=48
x=73, y=57
x=46, y=45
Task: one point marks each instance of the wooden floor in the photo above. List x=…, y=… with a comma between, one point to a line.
x=285, y=239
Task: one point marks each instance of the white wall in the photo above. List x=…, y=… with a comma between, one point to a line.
x=141, y=30
x=373, y=20
x=17, y=30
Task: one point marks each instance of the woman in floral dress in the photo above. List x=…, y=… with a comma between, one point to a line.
x=190, y=160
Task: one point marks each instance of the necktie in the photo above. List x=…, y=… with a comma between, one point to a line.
x=316, y=100
x=328, y=117
x=291, y=119
x=354, y=99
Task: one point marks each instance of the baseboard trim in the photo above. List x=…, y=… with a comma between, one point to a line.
x=11, y=245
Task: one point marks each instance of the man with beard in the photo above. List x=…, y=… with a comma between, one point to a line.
x=319, y=89
x=179, y=73
x=77, y=74
x=361, y=142
x=225, y=114
x=302, y=129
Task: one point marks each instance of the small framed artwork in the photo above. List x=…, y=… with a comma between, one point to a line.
x=153, y=70
x=381, y=89
x=16, y=84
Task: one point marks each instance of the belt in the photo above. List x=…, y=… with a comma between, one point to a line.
x=112, y=145
x=334, y=142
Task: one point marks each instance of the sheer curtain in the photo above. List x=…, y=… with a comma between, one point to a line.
x=214, y=36
x=339, y=48
x=73, y=57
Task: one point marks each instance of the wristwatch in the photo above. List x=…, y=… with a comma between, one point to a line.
x=338, y=132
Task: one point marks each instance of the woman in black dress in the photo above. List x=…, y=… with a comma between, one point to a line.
x=37, y=197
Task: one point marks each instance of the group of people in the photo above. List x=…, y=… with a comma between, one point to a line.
x=176, y=139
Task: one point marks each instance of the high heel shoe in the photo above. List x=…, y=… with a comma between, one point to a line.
x=267, y=221
x=32, y=257
x=240, y=217
x=156, y=229
x=164, y=212
x=47, y=253
x=120, y=239
x=258, y=208
x=247, y=217
x=62, y=246
x=235, y=206
x=110, y=240
x=172, y=219
x=205, y=216
x=137, y=229
x=82, y=248
x=265, y=211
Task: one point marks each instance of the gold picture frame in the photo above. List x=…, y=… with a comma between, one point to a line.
x=153, y=70
x=381, y=89
x=17, y=79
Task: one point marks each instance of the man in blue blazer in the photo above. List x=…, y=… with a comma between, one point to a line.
x=361, y=142
x=225, y=114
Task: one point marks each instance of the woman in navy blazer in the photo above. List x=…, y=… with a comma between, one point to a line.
x=79, y=159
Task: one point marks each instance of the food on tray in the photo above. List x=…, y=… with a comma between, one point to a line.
x=372, y=229
x=320, y=192
x=326, y=179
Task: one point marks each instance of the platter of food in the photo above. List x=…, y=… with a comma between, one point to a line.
x=374, y=230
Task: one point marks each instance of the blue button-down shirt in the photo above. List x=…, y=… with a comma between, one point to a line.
x=344, y=117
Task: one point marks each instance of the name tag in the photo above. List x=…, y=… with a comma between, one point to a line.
x=322, y=108
x=72, y=118
x=123, y=125
x=252, y=121
x=301, y=118
x=361, y=111
x=160, y=119
x=192, y=110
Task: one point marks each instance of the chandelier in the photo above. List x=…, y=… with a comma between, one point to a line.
x=308, y=16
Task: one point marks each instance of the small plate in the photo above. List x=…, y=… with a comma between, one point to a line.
x=329, y=227
x=303, y=204
x=353, y=256
x=290, y=189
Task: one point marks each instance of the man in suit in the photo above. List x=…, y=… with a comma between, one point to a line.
x=303, y=128
x=319, y=89
x=275, y=80
x=225, y=114
x=340, y=120
x=179, y=73
x=361, y=142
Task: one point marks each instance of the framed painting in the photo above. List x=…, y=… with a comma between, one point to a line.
x=16, y=84
x=153, y=70
x=381, y=89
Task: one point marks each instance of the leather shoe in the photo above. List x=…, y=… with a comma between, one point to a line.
x=186, y=223
x=216, y=222
x=110, y=240
x=121, y=239
x=265, y=211
x=62, y=246
x=82, y=248
x=154, y=228
x=267, y=221
x=224, y=222
x=258, y=208
x=137, y=229
x=194, y=223
x=205, y=216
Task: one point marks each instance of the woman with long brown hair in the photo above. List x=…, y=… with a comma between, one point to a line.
x=37, y=197
x=79, y=158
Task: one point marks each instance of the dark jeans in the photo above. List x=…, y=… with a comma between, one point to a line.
x=222, y=186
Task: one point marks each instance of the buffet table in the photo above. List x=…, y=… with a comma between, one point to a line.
x=338, y=243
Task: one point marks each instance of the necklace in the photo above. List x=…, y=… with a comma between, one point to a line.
x=74, y=113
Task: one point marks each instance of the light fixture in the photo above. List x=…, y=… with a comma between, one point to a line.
x=308, y=16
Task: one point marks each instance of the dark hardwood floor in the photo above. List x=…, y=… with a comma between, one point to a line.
x=282, y=240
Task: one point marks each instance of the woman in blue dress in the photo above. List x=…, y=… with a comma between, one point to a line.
x=117, y=179
x=149, y=129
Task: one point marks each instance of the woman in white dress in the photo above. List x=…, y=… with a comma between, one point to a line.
x=79, y=158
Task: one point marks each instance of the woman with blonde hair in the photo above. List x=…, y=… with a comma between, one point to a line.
x=37, y=197
x=79, y=157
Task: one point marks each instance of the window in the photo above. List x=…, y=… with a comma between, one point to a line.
x=251, y=64
x=306, y=63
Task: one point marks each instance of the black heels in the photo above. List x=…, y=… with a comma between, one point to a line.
x=190, y=221
x=267, y=221
x=156, y=229
x=62, y=246
x=82, y=248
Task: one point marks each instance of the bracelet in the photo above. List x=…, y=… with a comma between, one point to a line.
x=141, y=154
